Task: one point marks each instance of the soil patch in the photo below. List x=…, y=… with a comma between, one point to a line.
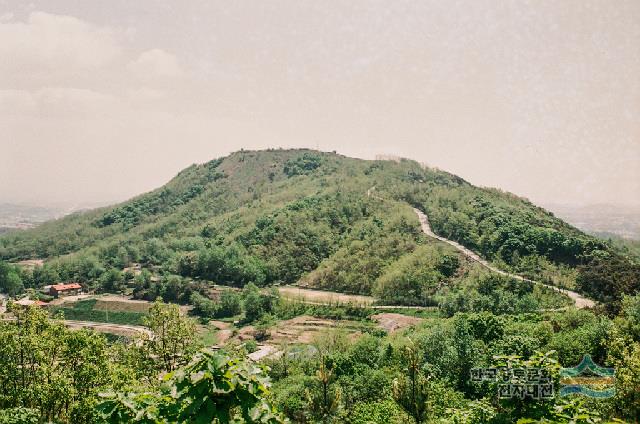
x=391, y=322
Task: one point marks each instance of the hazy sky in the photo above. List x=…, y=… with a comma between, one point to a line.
x=102, y=100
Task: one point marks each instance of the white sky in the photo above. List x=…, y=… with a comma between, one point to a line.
x=103, y=100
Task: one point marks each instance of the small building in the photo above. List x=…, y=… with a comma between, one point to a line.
x=59, y=290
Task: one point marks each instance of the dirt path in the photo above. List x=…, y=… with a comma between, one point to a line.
x=579, y=300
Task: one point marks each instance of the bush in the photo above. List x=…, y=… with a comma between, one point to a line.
x=382, y=412
x=19, y=416
x=230, y=304
x=302, y=165
x=203, y=306
x=257, y=304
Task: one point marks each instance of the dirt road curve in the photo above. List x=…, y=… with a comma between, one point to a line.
x=580, y=301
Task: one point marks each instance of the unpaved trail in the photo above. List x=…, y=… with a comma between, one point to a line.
x=579, y=300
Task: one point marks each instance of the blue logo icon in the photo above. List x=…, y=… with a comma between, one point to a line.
x=588, y=379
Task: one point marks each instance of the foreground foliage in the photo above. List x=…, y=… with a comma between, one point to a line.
x=420, y=375
x=212, y=388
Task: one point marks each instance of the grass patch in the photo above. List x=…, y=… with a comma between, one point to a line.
x=83, y=310
x=209, y=336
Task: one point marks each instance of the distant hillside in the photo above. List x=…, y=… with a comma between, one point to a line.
x=14, y=216
x=602, y=220
x=284, y=216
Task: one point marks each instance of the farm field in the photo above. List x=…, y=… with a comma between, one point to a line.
x=324, y=297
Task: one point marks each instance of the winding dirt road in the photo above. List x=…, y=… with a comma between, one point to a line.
x=579, y=300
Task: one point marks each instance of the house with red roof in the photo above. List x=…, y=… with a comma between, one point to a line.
x=70, y=289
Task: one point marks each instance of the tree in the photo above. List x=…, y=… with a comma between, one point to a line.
x=111, y=281
x=144, y=287
x=50, y=369
x=608, y=279
x=45, y=274
x=413, y=279
x=324, y=399
x=536, y=409
x=203, y=306
x=173, y=341
x=302, y=165
x=256, y=303
x=411, y=390
x=624, y=354
x=172, y=287
x=212, y=388
x=230, y=304
x=463, y=344
x=631, y=316
x=19, y=416
x=10, y=280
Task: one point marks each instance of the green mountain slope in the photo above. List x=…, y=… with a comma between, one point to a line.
x=288, y=216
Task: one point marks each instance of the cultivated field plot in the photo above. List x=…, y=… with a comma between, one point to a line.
x=122, y=304
x=322, y=297
x=305, y=328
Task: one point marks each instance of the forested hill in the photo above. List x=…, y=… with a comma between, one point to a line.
x=287, y=216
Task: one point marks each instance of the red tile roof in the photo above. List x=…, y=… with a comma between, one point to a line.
x=63, y=287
